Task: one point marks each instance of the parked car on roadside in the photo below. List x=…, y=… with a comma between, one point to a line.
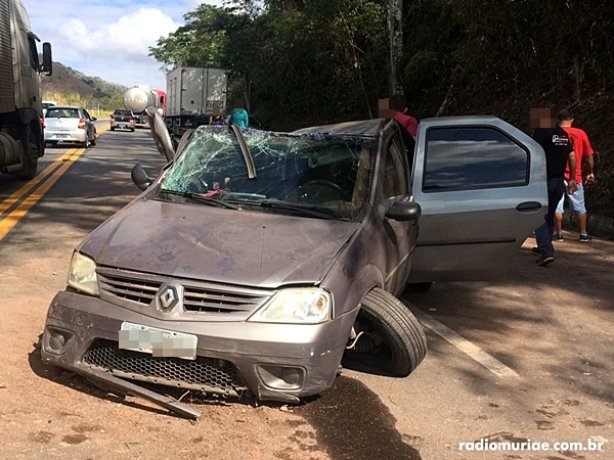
x=69, y=124
x=257, y=261
x=123, y=119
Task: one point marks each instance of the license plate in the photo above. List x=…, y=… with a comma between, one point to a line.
x=157, y=342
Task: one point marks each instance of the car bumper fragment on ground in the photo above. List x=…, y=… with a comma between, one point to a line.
x=79, y=337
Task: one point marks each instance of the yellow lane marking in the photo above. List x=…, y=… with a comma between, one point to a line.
x=102, y=129
x=7, y=224
x=16, y=196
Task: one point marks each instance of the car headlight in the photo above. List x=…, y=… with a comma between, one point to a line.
x=82, y=274
x=296, y=306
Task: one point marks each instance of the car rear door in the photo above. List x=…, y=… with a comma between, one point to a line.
x=481, y=184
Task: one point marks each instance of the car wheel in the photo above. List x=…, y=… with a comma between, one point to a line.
x=112, y=128
x=419, y=288
x=387, y=339
x=86, y=143
x=132, y=130
x=93, y=142
x=30, y=161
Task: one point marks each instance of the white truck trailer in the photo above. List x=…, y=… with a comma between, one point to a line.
x=193, y=95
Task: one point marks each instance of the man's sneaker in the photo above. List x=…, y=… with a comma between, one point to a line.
x=545, y=260
x=585, y=238
x=535, y=250
x=557, y=237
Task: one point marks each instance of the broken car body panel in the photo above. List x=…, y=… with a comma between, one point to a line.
x=264, y=276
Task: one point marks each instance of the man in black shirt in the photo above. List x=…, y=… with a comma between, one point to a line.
x=559, y=150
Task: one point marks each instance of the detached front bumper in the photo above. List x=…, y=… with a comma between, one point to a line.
x=278, y=362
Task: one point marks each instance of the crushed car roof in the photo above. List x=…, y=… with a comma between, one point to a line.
x=366, y=128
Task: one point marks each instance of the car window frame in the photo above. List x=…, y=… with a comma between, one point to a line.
x=389, y=137
x=511, y=139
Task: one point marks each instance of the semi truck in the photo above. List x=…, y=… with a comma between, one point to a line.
x=21, y=110
x=194, y=94
x=138, y=98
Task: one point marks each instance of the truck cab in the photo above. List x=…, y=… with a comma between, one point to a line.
x=21, y=110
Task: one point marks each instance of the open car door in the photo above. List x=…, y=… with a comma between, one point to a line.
x=481, y=184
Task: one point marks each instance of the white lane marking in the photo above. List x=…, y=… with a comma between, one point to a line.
x=470, y=349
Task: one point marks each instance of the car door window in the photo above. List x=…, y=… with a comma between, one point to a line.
x=394, y=177
x=473, y=158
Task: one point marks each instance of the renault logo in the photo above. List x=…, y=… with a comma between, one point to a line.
x=168, y=297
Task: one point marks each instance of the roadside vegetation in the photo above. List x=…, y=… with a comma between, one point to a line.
x=67, y=86
x=295, y=63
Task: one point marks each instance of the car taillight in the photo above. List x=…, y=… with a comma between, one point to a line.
x=81, y=123
x=112, y=119
x=131, y=120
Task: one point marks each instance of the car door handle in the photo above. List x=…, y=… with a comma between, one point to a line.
x=529, y=206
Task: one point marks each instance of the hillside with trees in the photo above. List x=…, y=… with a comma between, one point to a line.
x=301, y=62
x=69, y=86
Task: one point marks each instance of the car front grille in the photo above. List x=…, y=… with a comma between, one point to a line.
x=209, y=375
x=197, y=297
x=214, y=300
x=126, y=286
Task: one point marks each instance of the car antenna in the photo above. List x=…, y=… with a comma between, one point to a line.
x=247, y=156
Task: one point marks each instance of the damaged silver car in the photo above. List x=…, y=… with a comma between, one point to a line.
x=257, y=260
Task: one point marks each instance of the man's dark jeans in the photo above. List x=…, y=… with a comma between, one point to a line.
x=556, y=190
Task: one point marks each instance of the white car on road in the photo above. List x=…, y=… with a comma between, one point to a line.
x=69, y=124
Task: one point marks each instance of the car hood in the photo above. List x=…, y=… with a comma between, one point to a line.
x=197, y=241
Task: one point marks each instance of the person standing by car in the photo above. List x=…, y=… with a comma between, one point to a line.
x=239, y=117
x=559, y=151
x=216, y=118
x=583, y=150
x=408, y=122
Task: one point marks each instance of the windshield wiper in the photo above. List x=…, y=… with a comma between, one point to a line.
x=309, y=210
x=201, y=198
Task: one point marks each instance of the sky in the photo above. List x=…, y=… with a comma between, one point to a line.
x=109, y=38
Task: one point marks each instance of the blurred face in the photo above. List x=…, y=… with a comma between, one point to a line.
x=541, y=117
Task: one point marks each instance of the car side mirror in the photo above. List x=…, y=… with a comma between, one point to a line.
x=94, y=118
x=140, y=177
x=47, y=66
x=404, y=211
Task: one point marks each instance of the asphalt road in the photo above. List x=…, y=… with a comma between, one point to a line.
x=528, y=358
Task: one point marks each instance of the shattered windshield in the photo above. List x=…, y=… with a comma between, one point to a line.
x=312, y=175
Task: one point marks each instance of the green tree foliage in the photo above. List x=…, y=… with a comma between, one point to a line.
x=293, y=62
x=300, y=62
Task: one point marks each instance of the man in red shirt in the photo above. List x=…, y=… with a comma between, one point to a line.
x=407, y=121
x=584, y=151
